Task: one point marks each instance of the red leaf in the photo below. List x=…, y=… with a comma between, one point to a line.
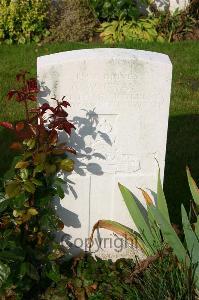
x=54, y=124
x=61, y=149
x=7, y=125
x=32, y=97
x=69, y=149
x=68, y=127
x=53, y=137
x=33, y=128
x=16, y=146
x=19, y=126
x=45, y=107
x=61, y=113
x=32, y=86
x=65, y=103
x=20, y=96
x=11, y=94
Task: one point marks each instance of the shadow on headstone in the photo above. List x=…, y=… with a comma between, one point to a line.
x=87, y=159
x=44, y=92
x=69, y=248
x=69, y=218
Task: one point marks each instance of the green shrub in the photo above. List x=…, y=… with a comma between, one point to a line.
x=71, y=20
x=29, y=255
x=109, y=10
x=122, y=31
x=178, y=25
x=96, y=279
x=23, y=21
x=122, y=21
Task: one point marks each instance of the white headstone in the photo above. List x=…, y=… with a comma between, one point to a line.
x=163, y=5
x=171, y=5
x=120, y=105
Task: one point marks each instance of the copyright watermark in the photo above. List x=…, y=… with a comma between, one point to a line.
x=115, y=243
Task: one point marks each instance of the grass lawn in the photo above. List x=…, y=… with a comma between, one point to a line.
x=183, y=134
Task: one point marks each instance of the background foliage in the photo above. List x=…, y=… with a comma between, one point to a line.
x=109, y=10
x=144, y=29
x=71, y=20
x=23, y=21
x=157, y=26
x=179, y=25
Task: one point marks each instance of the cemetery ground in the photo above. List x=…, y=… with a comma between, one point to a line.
x=183, y=138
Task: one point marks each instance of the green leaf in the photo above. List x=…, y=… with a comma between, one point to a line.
x=32, y=211
x=23, y=269
x=3, y=202
x=60, y=180
x=160, y=39
x=28, y=269
x=27, y=154
x=192, y=242
x=4, y=273
x=31, y=144
x=170, y=236
x=11, y=172
x=12, y=255
x=193, y=187
x=56, y=254
x=190, y=237
x=39, y=168
x=12, y=188
x=36, y=182
x=60, y=191
x=67, y=165
x=161, y=200
x=47, y=223
x=32, y=272
x=50, y=168
x=54, y=273
x=24, y=173
x=22, y=165
x=43, y=201
x=138, y=218
x=39, y=158
x=197, y=227
x=7, y=233
x=29, y=186
x=154, y=228
x=18, y=201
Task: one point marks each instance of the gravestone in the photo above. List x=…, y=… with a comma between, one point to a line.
x=120, y=105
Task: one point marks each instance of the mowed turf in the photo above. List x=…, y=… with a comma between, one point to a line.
x=183, y=133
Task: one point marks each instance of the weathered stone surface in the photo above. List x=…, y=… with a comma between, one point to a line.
x=120, y=105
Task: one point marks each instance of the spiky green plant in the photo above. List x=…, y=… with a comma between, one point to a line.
x=148, y=235
x=157, y=233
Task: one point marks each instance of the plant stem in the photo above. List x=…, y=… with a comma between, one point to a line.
x=26, y=109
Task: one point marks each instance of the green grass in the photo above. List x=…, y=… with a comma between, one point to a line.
x=183, y=134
